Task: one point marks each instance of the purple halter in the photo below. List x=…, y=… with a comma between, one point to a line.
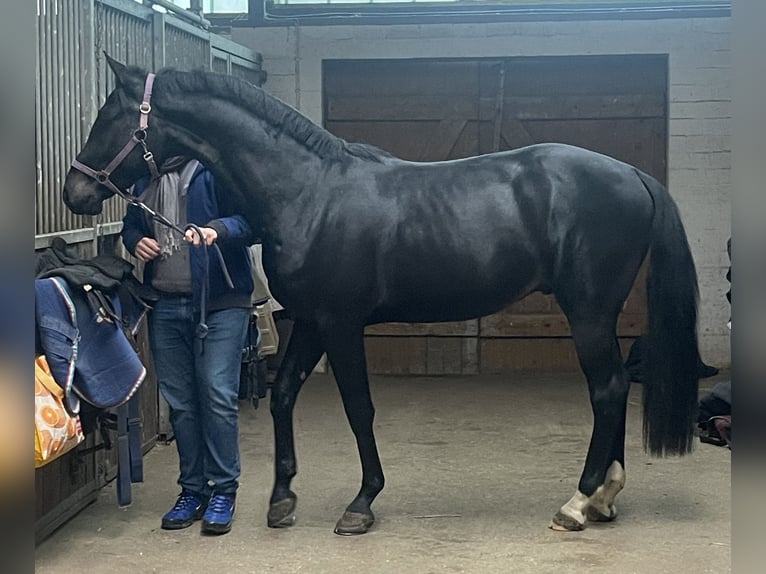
x=139, y=137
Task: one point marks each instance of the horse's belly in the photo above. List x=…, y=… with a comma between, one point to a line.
x=456, y=298
x=434, y=312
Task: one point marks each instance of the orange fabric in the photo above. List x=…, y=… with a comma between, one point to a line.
x=56, y=431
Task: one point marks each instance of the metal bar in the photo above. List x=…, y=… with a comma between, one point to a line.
x=208, y=49
x=129, y=7
x=233, y=48
x=89, y=73
x=82, y=235
x=69, y=55
x=158, y=41
x=76, y=78
x=47, y=109
x=261, y=13
x=179, y=24
x=56, y=115
x=170, y=7
x=39, y=127
x=245, y=62
x=499, y=104
x=210, y=53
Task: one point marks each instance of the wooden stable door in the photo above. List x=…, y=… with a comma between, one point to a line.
x=431, y=110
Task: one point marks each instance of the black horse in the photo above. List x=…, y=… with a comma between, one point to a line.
x=354, y=236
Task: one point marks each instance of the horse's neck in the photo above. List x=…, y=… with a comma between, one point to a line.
x=264, y=174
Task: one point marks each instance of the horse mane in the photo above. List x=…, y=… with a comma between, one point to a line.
x=276, y=113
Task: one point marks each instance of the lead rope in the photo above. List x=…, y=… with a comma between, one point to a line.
x=202, y=328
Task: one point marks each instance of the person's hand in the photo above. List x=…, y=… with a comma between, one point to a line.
x=147, y=249
x=209, y=234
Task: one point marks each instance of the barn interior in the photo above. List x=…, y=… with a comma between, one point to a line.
x=483, y=425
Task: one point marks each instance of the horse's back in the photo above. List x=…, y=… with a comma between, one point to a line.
x=529, y=195
x=459, y=239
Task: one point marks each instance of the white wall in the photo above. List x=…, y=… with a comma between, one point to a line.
x=699, y=105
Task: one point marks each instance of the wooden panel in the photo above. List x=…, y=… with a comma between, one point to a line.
x=422, y=355
x=546, y=354
x=544, y=107
x=455, y=328
x=437, y=140
x=578, y=107
x=508, y=323
x=444, y=355
x=402, y=108
x=67, y=484
x=399, y=78
x=572, y=75
x=536, y=303
x=543, y=354
x=397, y=355
x=636, y=301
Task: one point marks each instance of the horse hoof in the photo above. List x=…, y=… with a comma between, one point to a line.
x=352, y=523
x=563, y=523
x=595, y=515
x=282, y=513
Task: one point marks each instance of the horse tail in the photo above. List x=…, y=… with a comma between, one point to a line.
x=670, y=390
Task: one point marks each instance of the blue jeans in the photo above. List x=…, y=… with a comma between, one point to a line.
x=201, y=386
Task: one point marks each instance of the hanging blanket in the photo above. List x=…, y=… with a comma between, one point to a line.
x=88, y=352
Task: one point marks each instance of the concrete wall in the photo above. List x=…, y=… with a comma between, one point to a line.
x=699, y=162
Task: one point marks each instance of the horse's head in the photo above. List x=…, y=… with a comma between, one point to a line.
x=99, y=170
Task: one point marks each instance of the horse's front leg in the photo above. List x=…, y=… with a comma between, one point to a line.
x=345, y=351
x=303, y=351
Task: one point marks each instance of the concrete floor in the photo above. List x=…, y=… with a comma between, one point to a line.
x=475, y=469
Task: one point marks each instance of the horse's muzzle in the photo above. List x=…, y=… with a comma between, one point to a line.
x=87, y=201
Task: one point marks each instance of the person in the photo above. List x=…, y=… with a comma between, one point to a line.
x=198, y=374
x=714, y=409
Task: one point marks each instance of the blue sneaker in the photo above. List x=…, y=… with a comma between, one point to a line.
x=219, y=514
x=188, y=508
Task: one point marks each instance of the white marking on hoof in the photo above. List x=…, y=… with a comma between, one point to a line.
x=601, y=502
x=572, y=514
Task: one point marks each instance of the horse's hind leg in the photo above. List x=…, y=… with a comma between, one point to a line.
x=345, y=350
x=303, y=351
x=604, y=474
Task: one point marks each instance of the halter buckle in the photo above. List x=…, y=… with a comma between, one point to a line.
x=145, y=108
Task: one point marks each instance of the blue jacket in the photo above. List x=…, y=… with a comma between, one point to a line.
x=234, y=238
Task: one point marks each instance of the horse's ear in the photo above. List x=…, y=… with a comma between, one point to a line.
x=120, y=70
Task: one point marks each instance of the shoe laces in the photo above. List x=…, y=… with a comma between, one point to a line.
x=221, y=502
x=186, y=501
